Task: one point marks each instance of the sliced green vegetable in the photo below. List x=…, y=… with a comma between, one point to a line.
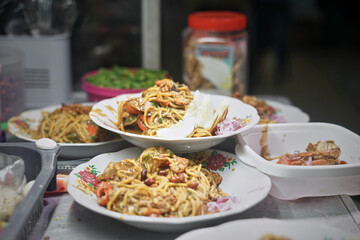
x=122, y=77
x=155, y=104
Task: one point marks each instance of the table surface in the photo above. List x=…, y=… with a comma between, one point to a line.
x=69, y=219
x=63, y=218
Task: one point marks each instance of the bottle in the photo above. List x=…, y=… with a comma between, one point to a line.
x=215, y=52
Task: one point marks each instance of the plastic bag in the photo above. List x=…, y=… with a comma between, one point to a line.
x=12, y=182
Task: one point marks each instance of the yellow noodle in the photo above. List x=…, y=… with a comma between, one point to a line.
x=69, y=124
x=165, y=104
x=120, y=119
x=164, y=198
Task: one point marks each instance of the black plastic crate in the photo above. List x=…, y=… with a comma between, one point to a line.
x=40, y=165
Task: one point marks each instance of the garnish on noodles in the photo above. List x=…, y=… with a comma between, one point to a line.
x=320, y=153
x=161, y=184
x=70, y=124
x=169, y=109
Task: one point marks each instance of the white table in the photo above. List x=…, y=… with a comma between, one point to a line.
x=71, y=220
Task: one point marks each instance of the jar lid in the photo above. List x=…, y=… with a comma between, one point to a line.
x=217, y=20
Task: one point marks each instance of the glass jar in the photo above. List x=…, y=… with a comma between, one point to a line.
x=215, y=52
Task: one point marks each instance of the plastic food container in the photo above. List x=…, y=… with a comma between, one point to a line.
x=47, y=67
x=215, y=52
x=12, y=183
x=40, y=165
x=11, y=83
x=292, y=182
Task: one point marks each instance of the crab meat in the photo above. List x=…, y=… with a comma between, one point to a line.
x=166, y=85
x=132, y=106
x=320, y=153
x=327, y=149
x=216, y=177
x=156, y=157
x=179, y=164
x=180, y=99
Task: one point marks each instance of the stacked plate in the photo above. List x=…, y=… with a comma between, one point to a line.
x=30, y=119
x=266, y=228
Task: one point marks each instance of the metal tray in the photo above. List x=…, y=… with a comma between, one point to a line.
x=40, y=165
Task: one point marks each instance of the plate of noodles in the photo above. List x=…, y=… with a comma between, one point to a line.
x=284, y=113
x=270, y=229
x=170, y=115
x=68, y=125
x=155, y=189
x=273, y=111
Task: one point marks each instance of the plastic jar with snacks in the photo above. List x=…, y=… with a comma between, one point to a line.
x=11, y=83
x=215, y=52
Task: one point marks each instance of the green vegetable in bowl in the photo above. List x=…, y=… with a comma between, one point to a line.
x=122, y=77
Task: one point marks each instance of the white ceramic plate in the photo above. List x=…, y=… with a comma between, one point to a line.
x=104, y=113
x=254, y=229
x=68, y=150
x=288, y=113
x=291, y=182
x=247, y=184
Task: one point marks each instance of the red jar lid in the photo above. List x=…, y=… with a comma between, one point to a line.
x=217, y=20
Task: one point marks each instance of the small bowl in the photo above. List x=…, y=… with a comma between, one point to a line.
x=292, y=182
x=96, y=93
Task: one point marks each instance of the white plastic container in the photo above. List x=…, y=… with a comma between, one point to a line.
x=292, y=182
x=47, y=68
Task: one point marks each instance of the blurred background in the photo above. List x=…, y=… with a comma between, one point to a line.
x=304, y=50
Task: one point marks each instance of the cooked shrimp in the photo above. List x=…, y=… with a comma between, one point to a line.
x=102, y=192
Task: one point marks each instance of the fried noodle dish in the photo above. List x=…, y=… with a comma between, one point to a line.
x=265, y=111
x=158, y=184
x=160, y=106
x=320, y=153
x=71, y=124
